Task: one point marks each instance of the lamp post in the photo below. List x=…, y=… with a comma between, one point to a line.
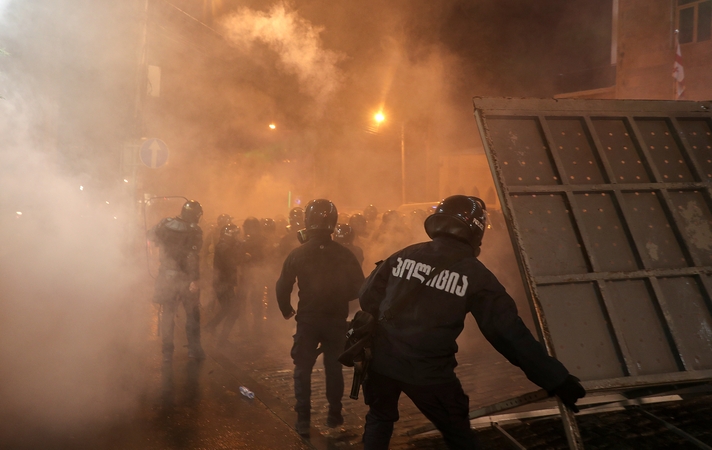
x=402, y=163
x=379, y=117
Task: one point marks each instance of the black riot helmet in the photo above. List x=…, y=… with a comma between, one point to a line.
x=358, y=223
x=251, y=226
x=417, y=217
x=191, y=211
x=269, y=226
x=320, y=214
x=390, y=218
x=370, y=213
x=280, y=224
x=296, y=218
x=229, y=231
x=223, y=220
x=343, y=234
x=463, y=217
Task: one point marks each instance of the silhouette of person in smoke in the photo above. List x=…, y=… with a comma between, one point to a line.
x=179, y=240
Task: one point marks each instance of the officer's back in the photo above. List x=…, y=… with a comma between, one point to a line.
x=179, y=241
x=327, y=276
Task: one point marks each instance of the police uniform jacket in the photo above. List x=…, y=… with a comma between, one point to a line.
x=328, y=276
x=179, y=243
x=227, y=258
x=417, y=345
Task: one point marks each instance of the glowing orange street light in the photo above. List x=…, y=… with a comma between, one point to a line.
x=272, y=126
x=379, y=117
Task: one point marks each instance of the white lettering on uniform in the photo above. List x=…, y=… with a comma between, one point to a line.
x=409, y=265
x=446, y=280
x=416, y=272
x=432, y=280
x=452, y=282
x=461, y=290
x=396, y=270
x=442, y=279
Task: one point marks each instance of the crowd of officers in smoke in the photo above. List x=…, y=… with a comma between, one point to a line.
x=413, y=304
x=244, y=258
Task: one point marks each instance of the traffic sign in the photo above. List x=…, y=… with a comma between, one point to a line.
x=154, y=153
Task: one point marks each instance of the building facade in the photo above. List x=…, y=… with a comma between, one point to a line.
x=644, y=35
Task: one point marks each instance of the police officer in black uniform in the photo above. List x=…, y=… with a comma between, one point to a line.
x=289, y=241
x=179, y=240
x=344, y=235
x=251, y=283
x=435, y=284
x=225, y=262
x=328, y=277
x=210, y=241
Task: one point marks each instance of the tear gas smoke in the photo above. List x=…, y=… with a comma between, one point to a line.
x=297, y=43
x=74, y=306
x=70, y=322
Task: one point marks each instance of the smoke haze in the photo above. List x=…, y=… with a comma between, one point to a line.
x=75, y=295
x=297, y=43
x=70, y=318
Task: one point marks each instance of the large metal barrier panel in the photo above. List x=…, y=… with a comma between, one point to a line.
x=609, y=206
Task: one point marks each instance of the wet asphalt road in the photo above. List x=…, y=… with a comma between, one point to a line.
x=193, y=405
x=198, y=405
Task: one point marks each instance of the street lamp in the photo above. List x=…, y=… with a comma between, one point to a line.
x=403, y=163
x=379, y=117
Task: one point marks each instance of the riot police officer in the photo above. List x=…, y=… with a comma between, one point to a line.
x=414, y=344
x=328, y=276
x=359, y=225
x=344, y=235
x=225, y=262
x=252, y=283
x=289, y=241
x=179, y=240
x=391, y=235
x=370, y=213
x=210, y=241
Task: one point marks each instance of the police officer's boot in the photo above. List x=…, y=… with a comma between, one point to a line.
x=303, y=424
x=334, y=419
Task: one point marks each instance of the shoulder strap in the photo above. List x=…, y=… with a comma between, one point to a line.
x=400, y=302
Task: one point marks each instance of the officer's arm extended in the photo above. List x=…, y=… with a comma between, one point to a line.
x=497, y=317
x=284, y=287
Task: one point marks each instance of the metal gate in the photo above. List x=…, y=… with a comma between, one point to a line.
x=609, y=206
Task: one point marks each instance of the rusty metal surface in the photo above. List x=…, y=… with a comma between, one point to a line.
x=609, y=207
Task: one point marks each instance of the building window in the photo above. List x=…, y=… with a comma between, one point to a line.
x=694, y=20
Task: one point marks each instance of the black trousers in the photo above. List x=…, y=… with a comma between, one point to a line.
x=331, y=334
x=445, y=405
x=228, y=312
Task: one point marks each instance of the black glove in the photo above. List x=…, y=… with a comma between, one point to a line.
x=569, y=392
x=290, y=314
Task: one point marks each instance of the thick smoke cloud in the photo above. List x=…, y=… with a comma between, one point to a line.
x=296, y=41
x=69, y=314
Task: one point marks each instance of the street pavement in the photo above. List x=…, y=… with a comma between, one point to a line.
x=187, y=404
x=197, y=405
x=264, y=363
